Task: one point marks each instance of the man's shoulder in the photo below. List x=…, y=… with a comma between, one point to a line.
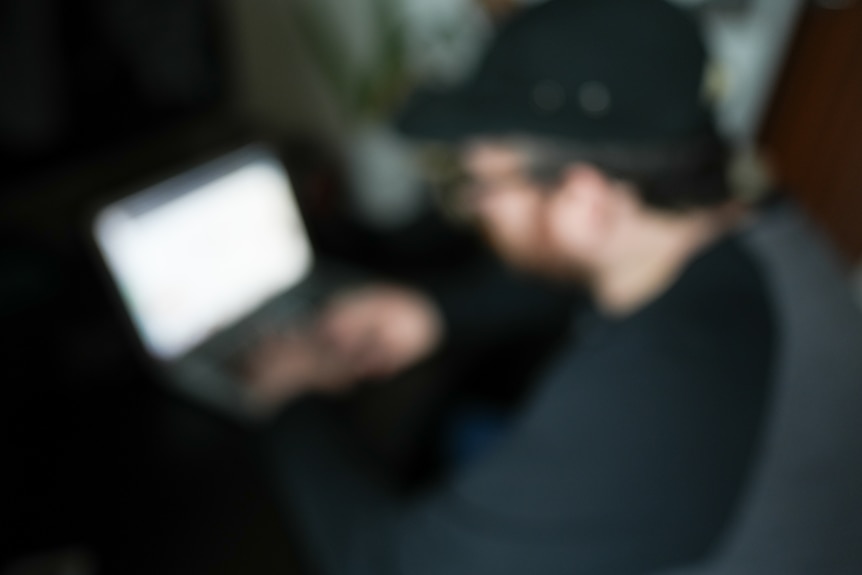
x=717, y=315
x=724, y=288
x=720, y=312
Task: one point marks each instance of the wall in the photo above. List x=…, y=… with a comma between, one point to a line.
x=751, y=41
x=275, y=83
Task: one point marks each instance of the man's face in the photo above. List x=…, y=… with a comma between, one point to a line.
x=510, y=208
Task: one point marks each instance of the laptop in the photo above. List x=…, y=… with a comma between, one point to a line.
x=205, y=261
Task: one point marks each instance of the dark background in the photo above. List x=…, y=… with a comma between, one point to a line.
x=94, y=456
x=97, y=95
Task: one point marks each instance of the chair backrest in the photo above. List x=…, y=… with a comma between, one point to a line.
x=802, y=513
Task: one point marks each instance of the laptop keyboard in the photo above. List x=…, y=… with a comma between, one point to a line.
x=273, y=319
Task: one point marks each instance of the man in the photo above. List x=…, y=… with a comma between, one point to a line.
x=589, y=157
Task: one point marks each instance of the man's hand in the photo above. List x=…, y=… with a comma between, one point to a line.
x=382, y=329
x=287, y=365
x=364, y=334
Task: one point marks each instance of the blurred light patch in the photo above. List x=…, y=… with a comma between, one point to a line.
x=191, y=258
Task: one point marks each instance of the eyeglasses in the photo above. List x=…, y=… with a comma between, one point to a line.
x=455, y=190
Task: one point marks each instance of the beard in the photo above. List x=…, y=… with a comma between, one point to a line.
x=535, y=255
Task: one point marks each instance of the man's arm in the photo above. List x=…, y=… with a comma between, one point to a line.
x=380, y=330
x=490, y=303
x=630, y=459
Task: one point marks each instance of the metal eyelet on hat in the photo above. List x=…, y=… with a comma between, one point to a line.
x=595, y=99
x=549, y=97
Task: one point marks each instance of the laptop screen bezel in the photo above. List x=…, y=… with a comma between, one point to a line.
x=195, y=174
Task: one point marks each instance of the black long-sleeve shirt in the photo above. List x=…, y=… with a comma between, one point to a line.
x=628, y=456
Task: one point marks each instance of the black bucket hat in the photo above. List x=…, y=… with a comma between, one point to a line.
x=620, y=72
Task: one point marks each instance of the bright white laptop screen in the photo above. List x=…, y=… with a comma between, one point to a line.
x=200, y=251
